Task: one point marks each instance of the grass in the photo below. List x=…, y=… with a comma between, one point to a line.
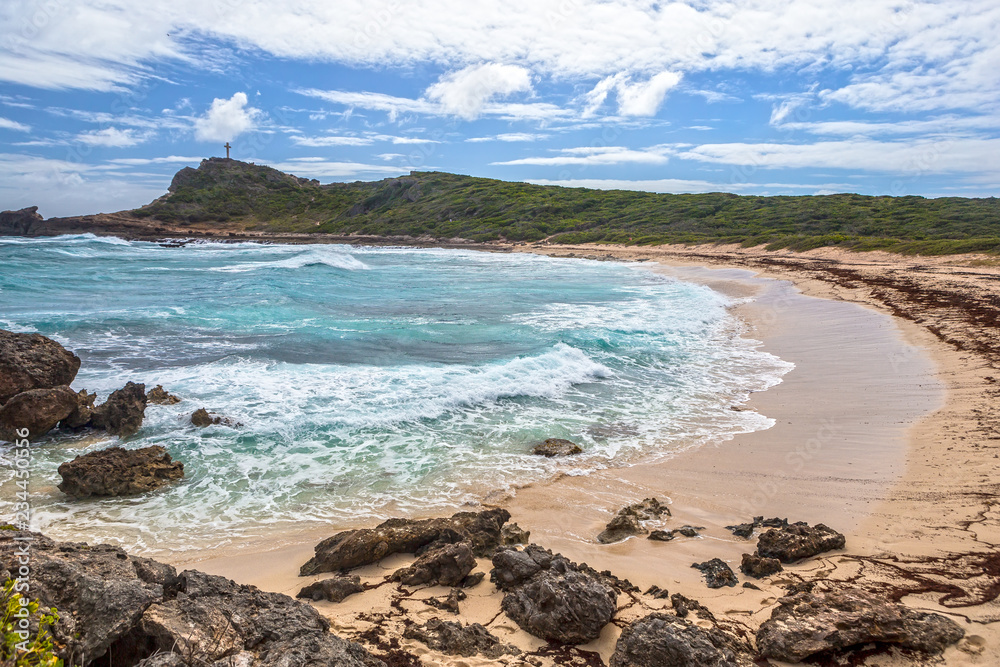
x=444, y=206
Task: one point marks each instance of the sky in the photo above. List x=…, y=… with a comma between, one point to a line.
x=102, y=101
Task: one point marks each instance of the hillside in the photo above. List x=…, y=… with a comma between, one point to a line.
x=441, y=205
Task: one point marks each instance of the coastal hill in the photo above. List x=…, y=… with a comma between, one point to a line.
x=227, y=196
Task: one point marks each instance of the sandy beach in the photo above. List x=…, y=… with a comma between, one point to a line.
x=881, y=432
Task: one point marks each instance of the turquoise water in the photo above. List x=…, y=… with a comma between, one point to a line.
x=369, y=381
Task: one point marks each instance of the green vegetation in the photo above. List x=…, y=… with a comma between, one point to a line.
x=27, y=641
x=446, y=206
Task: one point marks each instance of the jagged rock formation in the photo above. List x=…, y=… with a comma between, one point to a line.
x=797, y=541
x=628, y=520
x=32, y=361
x=119, y=472
x=456, y=639
x=663, y=640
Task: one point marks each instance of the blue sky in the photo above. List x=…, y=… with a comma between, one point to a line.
x=101, y=101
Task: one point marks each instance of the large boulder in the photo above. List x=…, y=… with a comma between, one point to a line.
x=556, y=447
x=123, y=412
x=759, y=567
x=119, y=472
x=551, y=597
x=123, y=610
x=809, y=622
x=663, y=640
x=38, y=410
x=454, y=638
x=797, y=541
x=32, y=361
x=447, y=565
x=628, y=521
x=353, y=548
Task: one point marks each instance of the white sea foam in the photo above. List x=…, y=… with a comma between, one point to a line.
x=318, y=255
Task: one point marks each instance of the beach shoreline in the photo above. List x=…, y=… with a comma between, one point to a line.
x=877, y=510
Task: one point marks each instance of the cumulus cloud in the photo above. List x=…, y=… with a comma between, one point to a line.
x=509, y=137
x=227, y=119
x=595, y=155
x=642, y=98
x=464, y=93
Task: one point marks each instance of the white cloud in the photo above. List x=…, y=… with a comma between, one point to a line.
x=680, y=185
x=589, y=155
x=642, y=98
x=317, y=167
x=510, y=137
x=168, y=159
x=915, y=156
x=466, y=92
x=8, y=124
x=321, y=142
x=948, y=125
x=112, y=137
x=227, y=119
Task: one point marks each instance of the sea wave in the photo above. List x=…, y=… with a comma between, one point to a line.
x=320, y=255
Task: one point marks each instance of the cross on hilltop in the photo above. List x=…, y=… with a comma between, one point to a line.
x=227, y=147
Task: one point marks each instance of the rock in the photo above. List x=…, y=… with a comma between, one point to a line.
x=759, y=566
x=556, y=447
x=628, y=520
x=690, y=531
x=661, y=535
x=32, y=361
x=445, y=566
x=202, y=417
x=751, y=586
x=717, y=573
x=663, y=640
x=19, y=223
x=745, y=530
x=551, y=597
x=472, y=580
x=119, y=472
x=123, y=412
x=83, y=413
x=38, y=410
x=657, y=593
x=159, y=396
x=353, y=548
x=334, y=589
x=511, y=533
x=450, y=603
x=684, y=605
x=806, y=623
x=797, y=541
x=122, y=610
x=456, y=639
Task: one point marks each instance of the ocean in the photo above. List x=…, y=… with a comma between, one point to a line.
x=368, y=382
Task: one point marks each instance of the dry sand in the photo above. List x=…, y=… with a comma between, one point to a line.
x=884, y=431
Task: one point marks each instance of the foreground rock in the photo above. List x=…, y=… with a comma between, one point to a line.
x=353, y=548
x=807, y=623
x=556, y=447
x=120, y=609
x=334, y=589
x=628, y=521
x=663, y=640
x=717, y=573
x=119, y=472
x=759, y=567
x=123, y=412
x=797, y=541
x=160, y=396
x=455, y=639
x=551, y=597
x=37, y=410
x=32, y=361
x=447, y=565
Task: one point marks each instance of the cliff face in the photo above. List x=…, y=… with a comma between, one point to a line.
x=19, y=223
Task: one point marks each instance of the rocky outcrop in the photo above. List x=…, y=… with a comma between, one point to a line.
x=457, y=639
x=202, y=418
x=160, y=396
x=32, y=361
x=717, y=573
x=119, y=472
x=83, y=413
x=511, y=533
x=759, y=567
x=37, y=410
x=352, y=548
x=809, y=622
x=551, y=597
x=628, y=521
x=19, y=223
x=334, y=589
x=556, y=447
x=120, y=609
x=123, y=412
x=663, y=640
x=447, y=565
x=797, y=541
